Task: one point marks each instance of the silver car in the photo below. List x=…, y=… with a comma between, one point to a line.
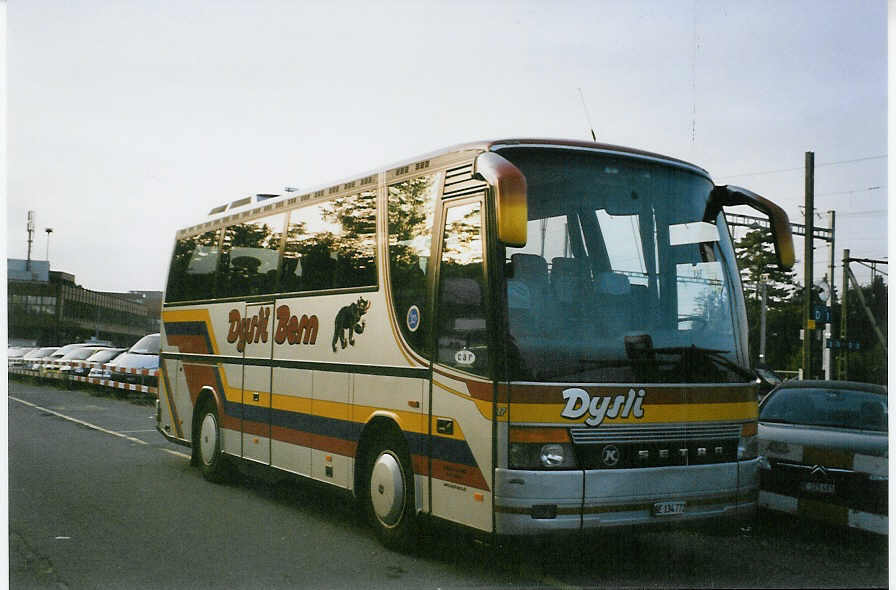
x=823, y=452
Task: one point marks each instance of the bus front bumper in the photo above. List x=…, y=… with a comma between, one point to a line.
x=534, y=502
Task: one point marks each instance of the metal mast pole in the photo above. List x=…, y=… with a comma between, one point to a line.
x=808, y=323
x=843, y=360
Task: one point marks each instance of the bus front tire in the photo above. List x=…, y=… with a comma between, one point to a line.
x=212, y=462
x=390, y=495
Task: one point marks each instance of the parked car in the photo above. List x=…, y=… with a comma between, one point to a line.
x=142, y=355
x=16, y=352
x=95, y=361
x=63, y=366
x=823, y=452
x=48, y=366
x=30, y=358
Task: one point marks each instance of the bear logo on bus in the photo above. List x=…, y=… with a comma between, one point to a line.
x=349, y=319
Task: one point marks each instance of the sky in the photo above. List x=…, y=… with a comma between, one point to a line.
x=129, y=120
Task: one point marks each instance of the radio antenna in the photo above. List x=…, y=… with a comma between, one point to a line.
x=587, y=116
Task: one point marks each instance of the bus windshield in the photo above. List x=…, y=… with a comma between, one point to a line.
x=621, y=280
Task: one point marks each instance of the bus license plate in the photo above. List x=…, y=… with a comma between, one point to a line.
x=667, y=508
x=818, y=487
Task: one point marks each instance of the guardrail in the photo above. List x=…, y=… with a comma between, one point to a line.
x=53, y=373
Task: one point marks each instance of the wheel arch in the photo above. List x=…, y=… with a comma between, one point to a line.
x=380, y=425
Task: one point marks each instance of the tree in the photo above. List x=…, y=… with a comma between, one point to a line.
x=758, y=264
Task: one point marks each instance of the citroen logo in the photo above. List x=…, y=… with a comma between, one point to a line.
x=819, y=470
x=610, y=455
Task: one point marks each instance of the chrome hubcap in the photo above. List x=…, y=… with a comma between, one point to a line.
x=387, y=489
x=208, y=438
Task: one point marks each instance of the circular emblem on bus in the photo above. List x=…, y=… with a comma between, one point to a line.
x=610, y=455
x=413, y=318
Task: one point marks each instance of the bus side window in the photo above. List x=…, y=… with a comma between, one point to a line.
x=192, y=274
x=331, y=245
x=462, y=337
x=251, y=257
x=411, y=206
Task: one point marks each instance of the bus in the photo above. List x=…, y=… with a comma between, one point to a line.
x=520, y=336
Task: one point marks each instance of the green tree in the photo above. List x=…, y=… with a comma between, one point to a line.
x=758, y=264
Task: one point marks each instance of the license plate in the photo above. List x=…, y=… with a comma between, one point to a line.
x=817, y=487
x=667, y=508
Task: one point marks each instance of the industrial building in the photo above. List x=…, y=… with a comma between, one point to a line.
x=47, y=308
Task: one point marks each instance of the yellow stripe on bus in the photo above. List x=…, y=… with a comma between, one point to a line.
x=551, y=413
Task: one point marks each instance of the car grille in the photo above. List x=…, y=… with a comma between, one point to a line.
x=627, y=447
x=852, y=489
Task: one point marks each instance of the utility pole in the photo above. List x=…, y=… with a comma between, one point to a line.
x=762, y=323
x=808, y=322
x=825, y=351
x=842, y=361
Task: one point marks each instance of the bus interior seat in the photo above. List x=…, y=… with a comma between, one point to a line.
x=614, y=305
x=527, y=292
x=570, y=280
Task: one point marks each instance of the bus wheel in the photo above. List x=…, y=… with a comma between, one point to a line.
x=390, y=494
x=212, y=462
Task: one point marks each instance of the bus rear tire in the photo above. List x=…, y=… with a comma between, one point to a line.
x=212, y=462
x=390, y=494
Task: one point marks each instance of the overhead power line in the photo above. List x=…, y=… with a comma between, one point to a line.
x=878, y=157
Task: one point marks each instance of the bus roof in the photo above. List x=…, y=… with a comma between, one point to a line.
x=254, y=204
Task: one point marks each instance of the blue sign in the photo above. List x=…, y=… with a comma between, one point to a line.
x=413, y=318
x=821, y=313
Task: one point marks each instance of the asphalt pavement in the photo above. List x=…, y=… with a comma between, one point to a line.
x=98, y=499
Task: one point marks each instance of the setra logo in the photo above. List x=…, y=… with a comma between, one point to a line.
x=579, y=402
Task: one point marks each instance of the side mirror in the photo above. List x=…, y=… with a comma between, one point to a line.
x=728, y=196
x=509, y=187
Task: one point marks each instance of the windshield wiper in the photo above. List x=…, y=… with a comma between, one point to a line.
x=713, y=354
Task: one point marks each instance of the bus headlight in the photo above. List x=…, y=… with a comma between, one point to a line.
x=748, y=444
x=556, y=455
x=536, y=456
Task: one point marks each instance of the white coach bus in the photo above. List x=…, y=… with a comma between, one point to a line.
x=520, y=336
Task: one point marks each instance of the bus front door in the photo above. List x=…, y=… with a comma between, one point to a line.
x=462, y=399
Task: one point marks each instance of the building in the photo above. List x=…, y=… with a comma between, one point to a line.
x=47, y=308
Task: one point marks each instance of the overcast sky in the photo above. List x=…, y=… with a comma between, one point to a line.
x=129, y=120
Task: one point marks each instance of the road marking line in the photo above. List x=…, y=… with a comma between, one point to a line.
x=95, y=427
x=144, y=430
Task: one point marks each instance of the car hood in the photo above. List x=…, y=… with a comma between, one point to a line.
x=787, y=441
x=130, y=360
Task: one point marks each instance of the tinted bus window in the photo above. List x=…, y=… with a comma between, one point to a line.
x=192, y=274
x=331, y=245
x=251, y=257
x=410, y=209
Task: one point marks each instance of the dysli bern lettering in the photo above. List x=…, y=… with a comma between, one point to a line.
x=255, y=328
x=579, y=403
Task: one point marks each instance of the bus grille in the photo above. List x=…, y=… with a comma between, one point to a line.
x=627, y=447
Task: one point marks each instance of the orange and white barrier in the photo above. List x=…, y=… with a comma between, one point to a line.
x=110, y=383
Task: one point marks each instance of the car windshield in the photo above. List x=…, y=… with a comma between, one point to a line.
x=79, y=354
x=621, y=279
x=101, y=356
x=147, y=345
x=40, y=353
x=839, y=408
